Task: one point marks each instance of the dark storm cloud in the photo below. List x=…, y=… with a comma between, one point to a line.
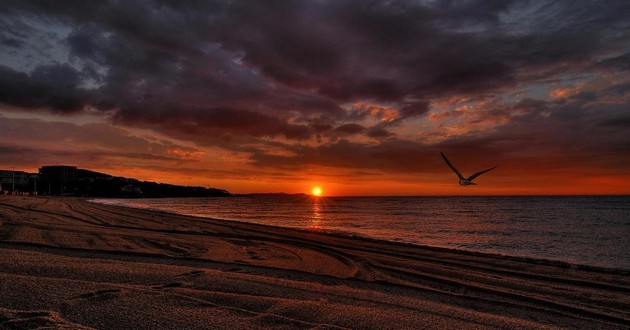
x=350, y=129
x=413, y=109
x=345, y=50
x=217, y=121
x=621, y=62
x=11, y=42
x=622, y=121
x=228, y=72
x=379, y=132
x=53, y=86
x=349, y=50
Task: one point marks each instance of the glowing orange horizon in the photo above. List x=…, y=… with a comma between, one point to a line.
x=507, y=181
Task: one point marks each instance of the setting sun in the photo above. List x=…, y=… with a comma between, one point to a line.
x=317, y=191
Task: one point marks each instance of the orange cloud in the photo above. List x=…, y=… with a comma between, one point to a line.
x=383, y=113
x=185, y=154
x=562, y=92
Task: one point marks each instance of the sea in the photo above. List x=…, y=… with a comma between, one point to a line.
x=583, y=230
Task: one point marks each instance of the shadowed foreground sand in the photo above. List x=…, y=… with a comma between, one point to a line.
x=71, y=264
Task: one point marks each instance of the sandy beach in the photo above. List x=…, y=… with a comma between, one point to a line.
x=71, y=264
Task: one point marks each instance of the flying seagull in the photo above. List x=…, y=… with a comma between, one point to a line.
x=464, y=181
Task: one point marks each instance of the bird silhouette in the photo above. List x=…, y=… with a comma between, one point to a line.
x=462, y=180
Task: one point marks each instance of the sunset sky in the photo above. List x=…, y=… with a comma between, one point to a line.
x=357, y=97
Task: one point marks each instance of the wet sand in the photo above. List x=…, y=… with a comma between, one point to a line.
x=71, y=264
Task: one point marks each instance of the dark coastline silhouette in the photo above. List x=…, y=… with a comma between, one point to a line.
x=63, y=180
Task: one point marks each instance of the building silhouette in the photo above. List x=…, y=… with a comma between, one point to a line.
x=57, y=179
x=17, y=182
x=64, y=180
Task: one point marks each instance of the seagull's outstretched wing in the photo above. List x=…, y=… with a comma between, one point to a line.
x=453, y=167
x=470, y=178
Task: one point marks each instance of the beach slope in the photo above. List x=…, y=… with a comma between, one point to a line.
x=70, y=264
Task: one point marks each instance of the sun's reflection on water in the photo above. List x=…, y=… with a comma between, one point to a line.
x=317, y=216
